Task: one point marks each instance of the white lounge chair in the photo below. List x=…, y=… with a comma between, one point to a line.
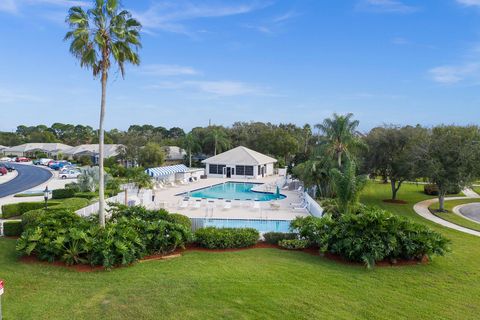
x=184, y=204
x=197, y=204
x=256, y=205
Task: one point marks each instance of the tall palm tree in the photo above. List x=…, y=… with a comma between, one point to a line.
x=219, y=139
x=102, y=36
x=191, y=144
x=340, y=135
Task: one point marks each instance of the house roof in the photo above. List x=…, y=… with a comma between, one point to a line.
x=110, y=150
x=240, y=156
x=46, y=147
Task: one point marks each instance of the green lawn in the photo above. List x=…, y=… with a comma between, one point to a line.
x=254, y=284
x=476, y=189
x=454, y=218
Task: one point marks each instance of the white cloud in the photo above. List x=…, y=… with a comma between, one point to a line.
x=271, y=26
x=385, y=6
x=171, y=16
x=469, y=3
x=216, y=88
x=451, y=74
x=8, y=6
x=168, y=70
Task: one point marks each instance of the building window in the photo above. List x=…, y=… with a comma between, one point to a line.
x=220, y=168
x=249, y=170
x=240, y=170
x=212, y=168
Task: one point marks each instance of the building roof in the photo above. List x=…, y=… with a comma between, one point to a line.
x=166, y=171
x=110, y=150
x=240, y=156
x=2, y=147
x=45, y=147
x=174, y=153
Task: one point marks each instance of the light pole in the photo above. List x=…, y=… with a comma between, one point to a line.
x=45, y=196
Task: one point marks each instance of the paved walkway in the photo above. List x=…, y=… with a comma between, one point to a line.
x=421, y=209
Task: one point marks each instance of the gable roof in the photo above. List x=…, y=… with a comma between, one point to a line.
x=240, y=156
x=46, y=147
x=110, y=150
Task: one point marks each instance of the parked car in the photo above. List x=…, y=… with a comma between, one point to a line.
x=6, y=159
x=22, y=159
x=45, y=161
x=69, y=174
x=7, y=166
x=36, y=162
x=59, y=165
x=3, y=171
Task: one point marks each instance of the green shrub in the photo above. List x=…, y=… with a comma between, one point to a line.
x=60, y=234
x=293, y=244
x=12, y=228
x=63, y=193
x=73, y=186
x=275, y=237
x=31, y=217
x=180, y=219
x=371, y=236
x=17, y=209
x=223, y=238
x=27, y=195
x=86, y=195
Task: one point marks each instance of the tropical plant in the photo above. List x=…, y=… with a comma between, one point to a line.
x=218, y=138
x=339, y=135
x=373, y=235
x=191, y=144
x=223, y=238
x=347, y=185
x=102, y=36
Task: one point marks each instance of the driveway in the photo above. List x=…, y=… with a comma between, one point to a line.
x=28, y=176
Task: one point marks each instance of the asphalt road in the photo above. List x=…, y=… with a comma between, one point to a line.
x=27, y=178
x=472, y=211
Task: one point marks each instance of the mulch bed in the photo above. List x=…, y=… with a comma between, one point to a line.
x=194, y=247
x=395, y=201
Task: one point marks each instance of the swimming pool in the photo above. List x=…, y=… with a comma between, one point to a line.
x=234, y=191
x=261, y=225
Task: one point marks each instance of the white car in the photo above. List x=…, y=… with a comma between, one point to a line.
x=6, y=159
x=45, y=161
x=69, y=174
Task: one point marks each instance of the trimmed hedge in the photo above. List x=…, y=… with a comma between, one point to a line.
x=275, y=237
x=293, y=244
x=180, y=219
x=12, y=228
x=17, y=209
x=432, y=190
x=63, y=193
x=225, y=238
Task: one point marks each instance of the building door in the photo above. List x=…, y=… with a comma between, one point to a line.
x=229, y=172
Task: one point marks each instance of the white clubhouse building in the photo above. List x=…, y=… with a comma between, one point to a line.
x=240, y=163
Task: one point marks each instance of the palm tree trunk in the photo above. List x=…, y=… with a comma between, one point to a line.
x=190, y=159
x=215, y=151
x=339, y=159
x=101, y=188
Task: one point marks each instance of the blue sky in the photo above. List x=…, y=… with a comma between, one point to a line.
x=387, y=61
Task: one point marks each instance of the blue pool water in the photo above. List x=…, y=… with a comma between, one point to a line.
x=260, y=225
x=234, y=191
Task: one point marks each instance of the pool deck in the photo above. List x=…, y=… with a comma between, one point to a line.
x=169, y=199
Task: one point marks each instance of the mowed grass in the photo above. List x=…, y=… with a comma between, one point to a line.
x=254, y=284
x=454, y=218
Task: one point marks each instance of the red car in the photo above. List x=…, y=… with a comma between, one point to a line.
x=3, y=171
x=23, y=159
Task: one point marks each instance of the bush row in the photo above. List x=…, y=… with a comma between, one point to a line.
x=130, y=234
x=224, y=238
x=17, y=209
x=371, y=236
x=275, y=237
x=12, y=228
